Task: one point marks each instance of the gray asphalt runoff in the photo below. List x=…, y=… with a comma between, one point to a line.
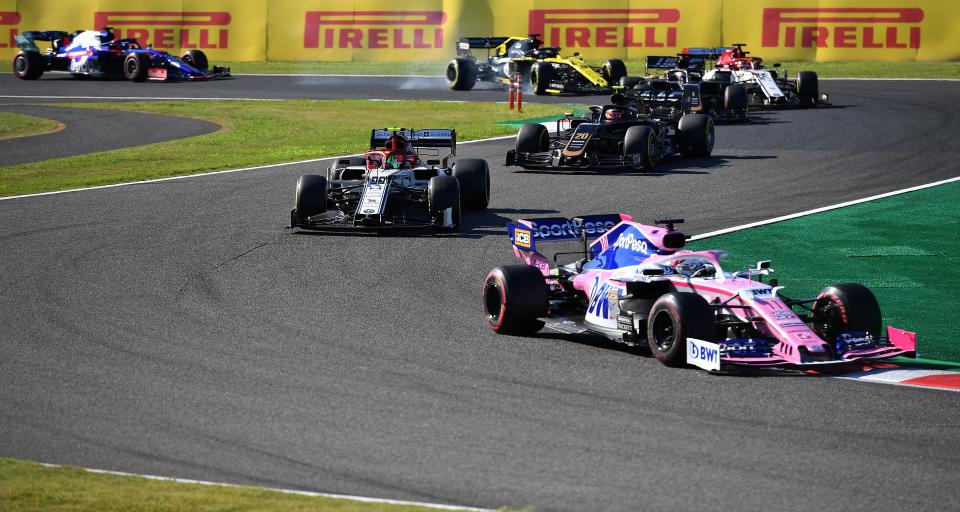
x=176, y=328
x=86, y=131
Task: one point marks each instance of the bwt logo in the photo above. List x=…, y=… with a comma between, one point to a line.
x=169, y=29
x=606, y=28
x=849, y=27
x=374, y=29
x=8, y=40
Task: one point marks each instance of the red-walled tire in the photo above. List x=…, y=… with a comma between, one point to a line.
x=515, y=297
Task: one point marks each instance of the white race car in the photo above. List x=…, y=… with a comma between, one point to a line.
x=765, y=86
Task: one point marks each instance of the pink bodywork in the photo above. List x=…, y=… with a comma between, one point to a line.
x=779, y=322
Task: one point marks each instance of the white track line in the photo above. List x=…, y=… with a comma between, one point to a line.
x=258, y=75
x=226, y=171
x=896, y=79
x=285, y=491
x=821, y=209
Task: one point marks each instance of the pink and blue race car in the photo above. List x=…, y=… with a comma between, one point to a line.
x=635, y=284
x=97, y=53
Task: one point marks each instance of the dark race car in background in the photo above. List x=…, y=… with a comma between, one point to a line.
x=547, y=71
x=97, y=53
x=621, y=136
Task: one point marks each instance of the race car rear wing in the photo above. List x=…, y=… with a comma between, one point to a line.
x=526, y=233
x=467, y=43
x=25, y=40
x=428, y=138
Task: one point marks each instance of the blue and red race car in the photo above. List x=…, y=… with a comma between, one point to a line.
x=97, y=53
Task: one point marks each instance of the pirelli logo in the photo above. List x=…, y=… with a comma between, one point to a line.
x=842, y=27
x=8, y=33
x=606, y=28
x=394, y=30
x=169, y=29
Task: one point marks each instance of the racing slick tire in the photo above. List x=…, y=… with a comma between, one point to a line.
x=640, y=141
x=808, y=88
x=473, y=176
x=695, y=135
x=310, y=197
x=848, y=307
x=135, y=67
x=337, y=173
x=197, y=59
x=28, y=65
x=673, y=319
x=629, y=82
x=443, y=192
x=461, y=74
x=540, y=75
x=515, y=297
x=735, y=98
x=533, y=138
x=614, y=70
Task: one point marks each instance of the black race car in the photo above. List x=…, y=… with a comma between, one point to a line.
x=616, y=137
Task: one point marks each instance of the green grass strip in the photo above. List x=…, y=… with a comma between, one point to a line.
x=905, y=248
x=257, y=133
x=852, y=69
x=28, y=486
x=18, y=125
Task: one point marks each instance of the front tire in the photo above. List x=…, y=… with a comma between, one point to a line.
x=848, y=307
x=808, y=88
x=197, y=59
x=443, y=194
x=629, y=82
x=28, y=65
x=533, y=138
x=461, y=74
x=473, y=176
x=640, y=141
x=696, y=135
x=674, y=318
x=540, y=75
x=310, y=197
x=515, y=297
x=135, y=67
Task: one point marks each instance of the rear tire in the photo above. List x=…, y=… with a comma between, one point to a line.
x=461, y=74
x=629, y=82
x=540, y=75
x=311, y=197
x=136, y=66
x=735, y=98
x=614, y=70
x=696, y=135
x=808, y=88
x=848, y=307
x=197, y=59
x=443, y=192
x=673, y=319
x=533, y=138
x=473, y=176
x=639, y=140
x=28, y=65
x=515, y=297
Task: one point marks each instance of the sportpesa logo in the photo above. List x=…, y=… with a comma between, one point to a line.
x=630, y=242
x=568, y=228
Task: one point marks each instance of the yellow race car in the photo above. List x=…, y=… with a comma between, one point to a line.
x=547, y=71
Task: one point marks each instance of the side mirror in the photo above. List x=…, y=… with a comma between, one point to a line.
x=763, y=265
x=652, y=271
x=433, y=162
x=776, y=64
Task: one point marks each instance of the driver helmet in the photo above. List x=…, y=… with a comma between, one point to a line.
x=613, y=114
x=691, y=267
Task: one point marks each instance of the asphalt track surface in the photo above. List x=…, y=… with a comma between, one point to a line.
x=175, y=328
x=88, y=130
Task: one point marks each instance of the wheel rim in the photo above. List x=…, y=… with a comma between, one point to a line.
x=493, y=302
x=451, y=74
x=20, y=65
x=132, y=66
x=664, y=332
x=710, y=136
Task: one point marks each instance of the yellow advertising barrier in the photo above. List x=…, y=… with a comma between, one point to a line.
x=381, y=30
x=837, y=30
